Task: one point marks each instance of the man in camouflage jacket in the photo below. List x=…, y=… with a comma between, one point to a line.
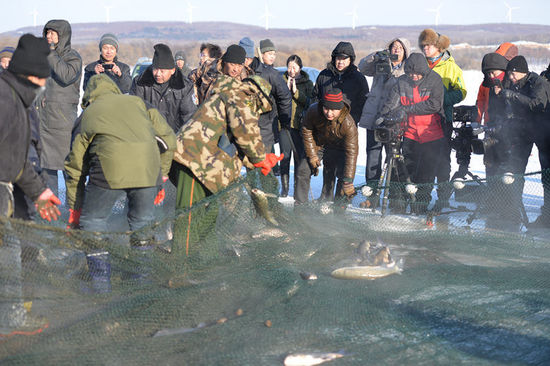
x=222, y=135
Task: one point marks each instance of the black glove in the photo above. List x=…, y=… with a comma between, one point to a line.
x=508, y=94
x=516, y=97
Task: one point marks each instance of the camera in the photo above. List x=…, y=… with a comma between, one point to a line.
x=383, y=60
x=108, y=66
x=391, y=128
x=466, y=138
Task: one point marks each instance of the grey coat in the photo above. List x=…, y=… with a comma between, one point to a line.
x=381, y=84
x=60, y=103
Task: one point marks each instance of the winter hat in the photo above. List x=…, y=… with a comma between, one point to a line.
x=179, y=56
x=163, y=58
x=248, y=46
x=234, y=54
x=7, y=52
x=417, y=64
x=493, y=61
x=266, y=45
x=343, y=49
x=31, y=57
x=431, y=37
x=518, y=64
x=108, y=38
x=333, y=99
x=508, y=50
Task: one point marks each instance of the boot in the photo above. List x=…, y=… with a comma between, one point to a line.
x=284, y=185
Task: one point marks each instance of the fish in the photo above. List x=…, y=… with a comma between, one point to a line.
x=259, y=198
x=308, y=359
x=367, y=272
x=175, y=331
x=308, y=276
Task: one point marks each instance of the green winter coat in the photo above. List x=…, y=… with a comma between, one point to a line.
x=118, y=133
x=224, y=132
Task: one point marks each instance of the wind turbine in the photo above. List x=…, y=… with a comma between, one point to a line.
x=509, y=13
x=190, y=8
x=354, y=17
x=437, y=12
x=34, y=14
x=266, y=15
x=108, y=13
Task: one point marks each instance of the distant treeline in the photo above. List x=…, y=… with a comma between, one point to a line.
x=315, y=53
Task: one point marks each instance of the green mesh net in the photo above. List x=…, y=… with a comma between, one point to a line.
x=221, y=286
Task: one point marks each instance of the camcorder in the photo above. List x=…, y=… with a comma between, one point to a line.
x=466, y=138
x=391, y=128
x=382, y=62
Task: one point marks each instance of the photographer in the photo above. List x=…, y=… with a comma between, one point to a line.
x=419, y=94
x=108, y=63
x=525, y=100
x=385, y=67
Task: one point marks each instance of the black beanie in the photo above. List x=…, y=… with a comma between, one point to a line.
x=333, y=99
x=493, y=61
x=31, y=57
x=163, y=58
x=343, y=49
x=234, y=54
x=518, y=64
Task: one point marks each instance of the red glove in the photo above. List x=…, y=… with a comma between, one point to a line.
x=269, y=162
x=74, y=218
x=46, y=205
x=162, y=194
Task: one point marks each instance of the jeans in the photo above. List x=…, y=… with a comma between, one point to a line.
x=99, y=202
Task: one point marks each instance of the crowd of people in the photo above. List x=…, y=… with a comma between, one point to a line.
x=197, y=128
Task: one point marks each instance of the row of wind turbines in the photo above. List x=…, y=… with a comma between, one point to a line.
x=267, y=14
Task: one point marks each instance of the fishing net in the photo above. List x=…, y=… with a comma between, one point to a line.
x=222, y=286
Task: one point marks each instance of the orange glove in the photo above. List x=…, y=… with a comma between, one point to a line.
x=162, y=193
x=46, y=205
x=74, y=218
x=269, y=162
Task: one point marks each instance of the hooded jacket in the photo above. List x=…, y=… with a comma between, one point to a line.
x=421, y=100
x=16, y=97
x=124, y=81
x=453, y=81
x=223, y=134
x=117, y=145
x=509, y=51
x=301, y=99
x=381, y=84
x=338, y=134
x=281, y=99
x=175, y=101
x=351, y=82
x=60, y=100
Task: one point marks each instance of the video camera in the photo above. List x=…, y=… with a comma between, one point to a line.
x=382, y=62
x=391, y=128
x=466, y=138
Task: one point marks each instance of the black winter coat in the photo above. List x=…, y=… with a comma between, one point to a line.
x=351, y=82
x=176, y=102
x=124, y=82
x=281, y=98
x=16, y=96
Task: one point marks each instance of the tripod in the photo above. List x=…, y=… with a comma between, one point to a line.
x=394, y=160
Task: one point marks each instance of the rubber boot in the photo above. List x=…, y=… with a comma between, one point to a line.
x=284, y=185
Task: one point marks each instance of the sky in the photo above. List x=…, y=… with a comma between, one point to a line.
x=283, y=13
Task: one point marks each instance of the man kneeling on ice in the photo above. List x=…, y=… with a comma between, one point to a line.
x=328, y=125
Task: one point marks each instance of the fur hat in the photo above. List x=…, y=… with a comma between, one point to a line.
x=519, y=64
x=163, y=58
x=31, y=57
x=431, y=37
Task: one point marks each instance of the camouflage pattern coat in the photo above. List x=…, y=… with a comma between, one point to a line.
x=224, y=132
